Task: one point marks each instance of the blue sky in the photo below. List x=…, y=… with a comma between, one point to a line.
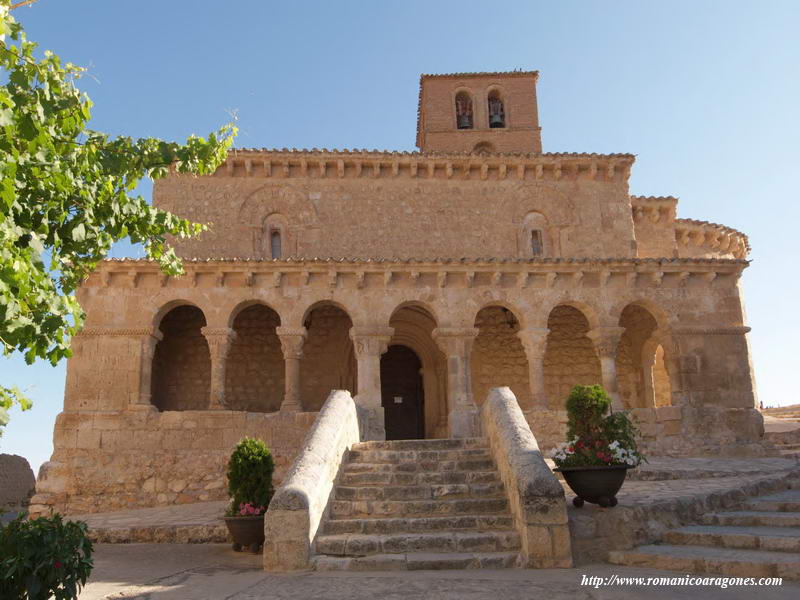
x=705, y=93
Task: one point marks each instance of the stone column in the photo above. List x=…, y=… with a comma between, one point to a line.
x=219, y=343
x=605, y=341
x=292, y=340
x=147, y=351
x=369, y=343
x=456, y=343
x=534, y=340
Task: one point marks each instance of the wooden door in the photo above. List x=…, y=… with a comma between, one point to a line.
x=402, y=394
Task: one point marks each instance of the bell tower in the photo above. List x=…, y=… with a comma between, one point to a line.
x=479, y=112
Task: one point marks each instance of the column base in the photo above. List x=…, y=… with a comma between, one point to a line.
x=464, y=422
x=371, y=424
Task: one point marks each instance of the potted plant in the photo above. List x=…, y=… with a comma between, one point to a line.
x=250, y=489
x=600, y=447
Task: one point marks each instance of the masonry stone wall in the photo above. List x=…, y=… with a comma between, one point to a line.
x=181, y=365
x=254, y=377
x=498, y=358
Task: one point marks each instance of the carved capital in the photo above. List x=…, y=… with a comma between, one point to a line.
x=219, y=340
x=370, y=341
x=606, y=339
x=455, y=341
x=292, y=340
x=534, y=340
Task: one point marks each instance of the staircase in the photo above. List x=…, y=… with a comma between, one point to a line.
x=762, y=540
x=418, y=504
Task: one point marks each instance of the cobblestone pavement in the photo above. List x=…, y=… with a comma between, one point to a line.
x=213, y=571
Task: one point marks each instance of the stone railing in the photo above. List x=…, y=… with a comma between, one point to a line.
x=298, y=506
x=536, y=498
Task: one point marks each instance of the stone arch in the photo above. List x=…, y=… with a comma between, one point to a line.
x=570, y=358
x=245, y=304
x=464, y=105
x=254, y=373
x=181, y=375
x=328, y=358
x=496, y=108
x=658, y=313
x=413, y=323
x=643, y=379
x=518, y=314
x=536, y=238
x=165, y=308
x=498, y=357
x=424, y=306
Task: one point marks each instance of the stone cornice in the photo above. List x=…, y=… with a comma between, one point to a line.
x=654, y=208
x=716, y=237
x=338, y=164
x=334, y=273
x=731, y=330
x=120, y=331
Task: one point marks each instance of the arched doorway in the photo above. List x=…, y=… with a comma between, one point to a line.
x=402, y=394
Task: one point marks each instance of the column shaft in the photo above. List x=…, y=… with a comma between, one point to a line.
x=534, y=341
x=606, y=340
x=292, y=340
x=369, y=343
x=219, y=343
x=456, y=343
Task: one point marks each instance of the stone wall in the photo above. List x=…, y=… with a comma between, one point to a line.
x=254, y=377
x=181, y=364
x=17, y=482
x=498, y=358
x=570, y=358
x=113, y=461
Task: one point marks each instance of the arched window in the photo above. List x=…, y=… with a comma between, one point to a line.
x=464, y=118
x=275, y=243
x=497, y=111
x=537, y=245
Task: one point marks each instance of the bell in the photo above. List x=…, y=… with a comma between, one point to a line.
x=496, y=120
x=464, y=121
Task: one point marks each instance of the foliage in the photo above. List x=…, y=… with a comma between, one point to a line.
x=66, y=195
x=43, y=558
x=250, y=477
x=594, y=438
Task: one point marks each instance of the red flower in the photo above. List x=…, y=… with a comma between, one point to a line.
x=571, y=449
x=57, y=564
x=580, y=444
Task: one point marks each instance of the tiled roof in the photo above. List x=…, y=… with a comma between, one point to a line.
x=392, y=153
x=724, y=228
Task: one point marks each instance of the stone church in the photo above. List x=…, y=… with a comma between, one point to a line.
x=415, y=280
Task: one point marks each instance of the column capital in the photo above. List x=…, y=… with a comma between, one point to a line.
x=370, y=341
x=292, y=340
x=455, y=340
x=534, y=340
x=218, y=333
x=606, y=339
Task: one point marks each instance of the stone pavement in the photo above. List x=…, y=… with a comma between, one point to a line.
x=213, y=571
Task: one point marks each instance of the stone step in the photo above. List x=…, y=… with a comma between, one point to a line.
x=382, y=477
x=422, y=466
x=421, y=508
x=443, y=444
x=419, y=492
x=409, y=456
x=781, y=502
x=356, y=544
x=416, y=561
x=419, y=524
x=773, y=539
x=753, y=518
x=792, y=446
x=703, y=559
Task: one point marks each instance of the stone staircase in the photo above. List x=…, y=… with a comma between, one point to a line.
x=418, y=504
x=761, y=540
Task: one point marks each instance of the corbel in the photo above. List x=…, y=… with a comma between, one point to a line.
x=521, y=171
x=229, y=167
x=248, y=166
x=413, y=166
x=430, y=168
x=106, y=278
x=577, y=277
x=550, y=279
x=448, y=169
x=333, y=279
x=605, y=275
x=340, y=168
x=395, y=168
x=470, y=278
x=286, y=168
x=414, y=277
x=194, y=278
x=610, y=168
x=219, y=280
x=557, y=170
x=497, y=276
x=524, y=279
x=376, y=168
x=277, y=277
x=441, y=279
x=163, y=280
x=501, y=171
x=360, y=278
x=359, y=165
x=466, y=167
x=323, y=169
x=305, y=277
x=683, y=276
x=539, y=171
x=484, y=171
x=592, y=169
x=709, y=277
x=630, y=278
x=267, y=168
x=387, y=278
x=656, y=277
x=249, y=278
x=303, y=167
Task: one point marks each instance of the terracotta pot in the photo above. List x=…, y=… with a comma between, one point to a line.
x=247, y=533
x=598, y=485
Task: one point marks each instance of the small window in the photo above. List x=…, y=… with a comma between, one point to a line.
x=275, y=243
x=464, y=118
x=536, y=242
x=497, y=112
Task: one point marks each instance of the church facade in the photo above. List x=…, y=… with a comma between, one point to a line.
x=416, y=280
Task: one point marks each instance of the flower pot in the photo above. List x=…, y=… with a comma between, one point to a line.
x=598, y=485
x=247, y=532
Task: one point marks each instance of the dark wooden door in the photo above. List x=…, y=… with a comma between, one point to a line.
x=402, y=394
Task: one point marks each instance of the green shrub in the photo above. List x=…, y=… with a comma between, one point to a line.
x=43, y=558
x=250, y=478
x=593, y=437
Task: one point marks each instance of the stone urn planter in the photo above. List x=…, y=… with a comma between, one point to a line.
x=247, y=532
x=596, y=484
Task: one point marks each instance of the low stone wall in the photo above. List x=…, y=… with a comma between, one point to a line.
x=535, y=495
x=16, y=482
x=105, y=461
x=299, y=505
